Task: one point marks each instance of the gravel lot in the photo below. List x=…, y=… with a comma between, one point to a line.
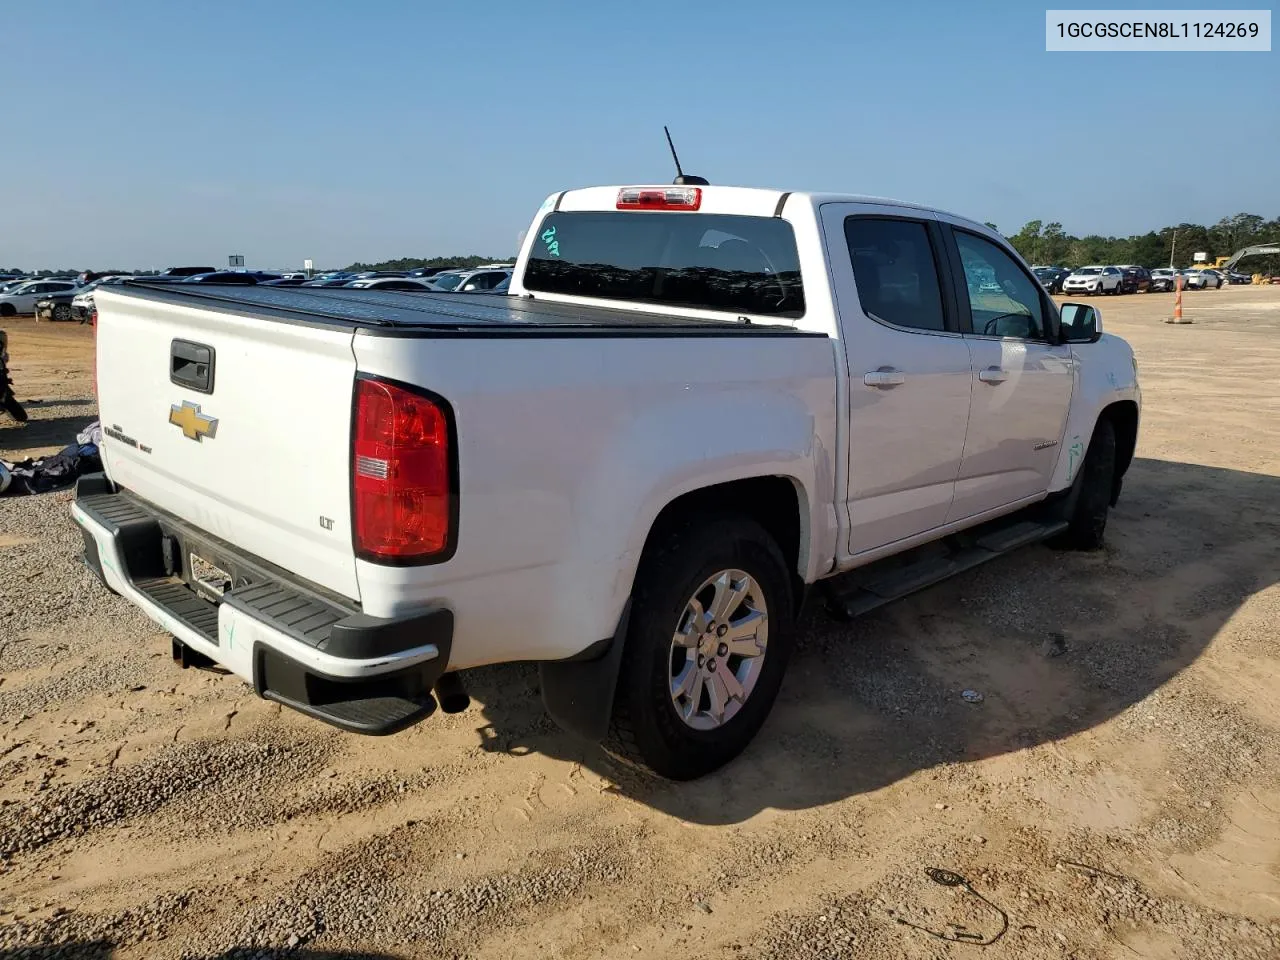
x=1115, y=795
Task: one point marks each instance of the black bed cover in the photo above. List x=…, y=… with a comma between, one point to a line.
x=400, y=313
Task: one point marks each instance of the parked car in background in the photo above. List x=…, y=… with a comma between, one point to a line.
x=239, y=277
x=328, y=282
x=1134, y=278
x=373, y=274
x=185, y=271
x=55, y=306
x=82, y=303
x=1198, y=279
x=1051, y=278
x=1214, y=278
x=72, y=304
x=22, y=297
x=1093, y=279
x=6, y=285
x=1162, y=280
x=476, y=280
x=390, y=283
x=1238, y=279
x=426, y=272
x=285, y=282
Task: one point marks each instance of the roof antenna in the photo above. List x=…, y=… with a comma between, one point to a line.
x=681, y=179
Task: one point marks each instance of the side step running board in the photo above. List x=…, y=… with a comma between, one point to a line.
x=863, y=590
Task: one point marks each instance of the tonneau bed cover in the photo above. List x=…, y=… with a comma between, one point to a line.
x=433, y=313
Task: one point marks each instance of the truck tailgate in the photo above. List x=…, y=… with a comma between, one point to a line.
x=259, y=455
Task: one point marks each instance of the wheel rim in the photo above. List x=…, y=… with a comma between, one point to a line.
x=61, y=312
x=718, y=649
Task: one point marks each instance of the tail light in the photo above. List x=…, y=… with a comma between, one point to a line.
x=404, y=506
x=659, y=198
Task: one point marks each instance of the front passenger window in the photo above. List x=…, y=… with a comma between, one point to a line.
x=1003, y=300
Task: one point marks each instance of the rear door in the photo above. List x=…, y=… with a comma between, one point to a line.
x=238, y=425
x=1022, y=380
x=909, y=370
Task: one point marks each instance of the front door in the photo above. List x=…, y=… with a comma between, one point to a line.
x=1022, y=380
x=909, y=370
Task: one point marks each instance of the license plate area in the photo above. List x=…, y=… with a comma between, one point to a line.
x=207, y=578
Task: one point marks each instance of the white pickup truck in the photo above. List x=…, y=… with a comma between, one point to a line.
x=696, y=402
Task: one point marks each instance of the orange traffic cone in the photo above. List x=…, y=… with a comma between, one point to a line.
x=1177, y=302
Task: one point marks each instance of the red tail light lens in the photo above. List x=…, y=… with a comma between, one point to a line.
x=660, y=198
x=403, y=506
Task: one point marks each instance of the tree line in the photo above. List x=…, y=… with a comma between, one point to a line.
x=412, y=263
x=76, y=272
x=1049, y=244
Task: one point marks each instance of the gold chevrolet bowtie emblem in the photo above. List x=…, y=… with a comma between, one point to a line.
x=194, y=424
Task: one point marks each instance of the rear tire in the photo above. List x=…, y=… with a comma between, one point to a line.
x=681, y=577
x=1090, y=497
x=8, y=310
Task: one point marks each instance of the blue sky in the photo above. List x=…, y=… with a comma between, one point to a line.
x=148, y=133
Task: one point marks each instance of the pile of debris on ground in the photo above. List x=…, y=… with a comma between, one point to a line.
x=42, y=474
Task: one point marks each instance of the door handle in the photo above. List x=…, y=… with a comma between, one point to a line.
x=191, y=365
x=884, y=377
x=993, y=375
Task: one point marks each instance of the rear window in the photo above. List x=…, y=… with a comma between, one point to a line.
x=709, y=261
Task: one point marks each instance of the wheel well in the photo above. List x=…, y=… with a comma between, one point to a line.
x=1124, y=419
x=772, y=502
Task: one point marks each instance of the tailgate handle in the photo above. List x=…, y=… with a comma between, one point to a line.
x=191, y=365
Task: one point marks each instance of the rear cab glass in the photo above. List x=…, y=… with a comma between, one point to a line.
x=738, y=264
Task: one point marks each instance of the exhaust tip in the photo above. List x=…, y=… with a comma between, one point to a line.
x=451, y=693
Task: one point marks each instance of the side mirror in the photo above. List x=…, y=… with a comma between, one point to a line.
x=1081, y=323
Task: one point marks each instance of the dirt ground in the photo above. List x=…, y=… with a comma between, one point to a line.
x=1115, y=795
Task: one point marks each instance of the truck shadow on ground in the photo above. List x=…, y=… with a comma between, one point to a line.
x=1056, y=642
x=47, y=432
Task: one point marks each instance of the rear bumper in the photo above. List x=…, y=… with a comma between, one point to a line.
x=294, y=642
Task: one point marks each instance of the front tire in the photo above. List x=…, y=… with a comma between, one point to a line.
x=708, y=643
x=1090, y=497
x=62, y=312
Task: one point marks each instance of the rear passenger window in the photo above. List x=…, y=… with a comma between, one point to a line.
x=895, y=272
